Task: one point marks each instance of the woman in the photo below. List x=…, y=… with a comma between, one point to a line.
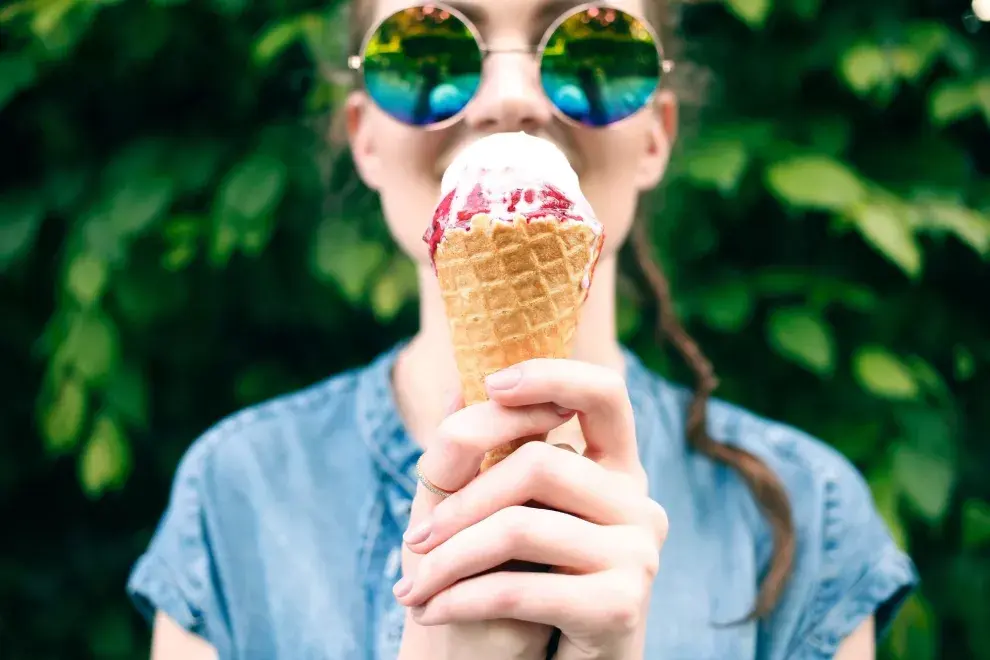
x=315, y=525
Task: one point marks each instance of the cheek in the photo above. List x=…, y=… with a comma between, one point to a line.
x=408, y=183
x=612, y=164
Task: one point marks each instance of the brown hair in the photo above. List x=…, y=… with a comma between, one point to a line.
x=765, y=486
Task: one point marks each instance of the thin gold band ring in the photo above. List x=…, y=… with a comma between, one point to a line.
x=429, y=485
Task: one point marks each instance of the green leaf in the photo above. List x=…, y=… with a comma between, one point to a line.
x=959, y=52
x=969, y=226
x=275, y=39
x=105, y=462
x=890, y=234
x=886, y=496
x=802, y=336
x=728, y=306
x=914, y=634
x=87, y=278
x=134, y=206
x=90, y=345
x=928, y=377
x=719, y=164
x=975, y=524
x=253, y=188
x=882, y=373
x=951, y=101
x=182, y=234
x=64, y=416
x=20, y=217
x=865, y=67
x=815, y=182
x=17, y=72
x=342, y=257
x=127, y=395
x=926, y=481
x=752, y=12
x=982, y=94
x=394, y=287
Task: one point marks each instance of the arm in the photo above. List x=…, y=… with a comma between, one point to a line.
x=171, y=642
x=860, y=645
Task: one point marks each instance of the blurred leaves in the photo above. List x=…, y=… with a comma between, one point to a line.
x=802, y=336
x=176, y=242
x=20, y=215
x=105, y=461
x=883, y=374
x=752, y=12
x=815, y=182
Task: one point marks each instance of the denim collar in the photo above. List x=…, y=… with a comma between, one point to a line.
x=395, y=453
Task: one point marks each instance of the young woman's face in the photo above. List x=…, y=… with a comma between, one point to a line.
x=405, y=164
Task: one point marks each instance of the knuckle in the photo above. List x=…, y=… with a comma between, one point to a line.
x=506, y=600
x=537, y=457
x=625, y=609
x=613, y=387
x=647, y=554
x=661, y=523
x=512, y=525
x=451, y=436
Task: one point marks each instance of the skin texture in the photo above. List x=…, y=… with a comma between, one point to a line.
x=595, y=523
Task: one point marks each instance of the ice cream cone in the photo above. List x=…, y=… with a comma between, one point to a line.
x=514, y=255
x=513, y=292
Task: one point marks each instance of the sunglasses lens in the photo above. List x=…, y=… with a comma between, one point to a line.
x=600, y=65
x=422, y=65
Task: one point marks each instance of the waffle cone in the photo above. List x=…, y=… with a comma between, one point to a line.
x=513, y=291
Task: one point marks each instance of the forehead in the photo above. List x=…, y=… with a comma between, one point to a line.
x=522, y=12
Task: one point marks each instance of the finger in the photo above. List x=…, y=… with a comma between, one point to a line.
x=554, y=478
x=597, y=393
x=455, y=453
x=539, y=536
x=606, y=602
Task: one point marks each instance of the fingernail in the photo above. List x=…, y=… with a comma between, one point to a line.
x=562, y=411
x=417, y=534
x=402, y=587
x=503, y=380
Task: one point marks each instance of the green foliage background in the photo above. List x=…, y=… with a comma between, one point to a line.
x=167, y=255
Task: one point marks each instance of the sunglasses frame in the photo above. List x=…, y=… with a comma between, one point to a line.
x=356, y=62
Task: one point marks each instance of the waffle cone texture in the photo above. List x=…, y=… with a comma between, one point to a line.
x=513, y=292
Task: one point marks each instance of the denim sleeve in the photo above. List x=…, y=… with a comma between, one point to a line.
x=847, y=565
x=174, y=574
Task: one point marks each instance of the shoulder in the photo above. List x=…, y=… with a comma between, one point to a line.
x=269, y=431
x=847, y=567
x=263, y=453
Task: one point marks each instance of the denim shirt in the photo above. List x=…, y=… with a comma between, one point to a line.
x=282, y=535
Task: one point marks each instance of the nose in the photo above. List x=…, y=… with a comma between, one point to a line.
x=510, y=97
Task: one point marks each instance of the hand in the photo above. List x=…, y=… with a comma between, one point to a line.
x=601, y=532
x=451, y=461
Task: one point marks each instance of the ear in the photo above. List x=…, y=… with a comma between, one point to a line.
x=357, y=117
x=662, y=133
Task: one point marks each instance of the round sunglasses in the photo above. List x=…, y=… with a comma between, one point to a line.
x=598, y=64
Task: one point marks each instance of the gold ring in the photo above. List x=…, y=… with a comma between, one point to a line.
x=429, y=485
